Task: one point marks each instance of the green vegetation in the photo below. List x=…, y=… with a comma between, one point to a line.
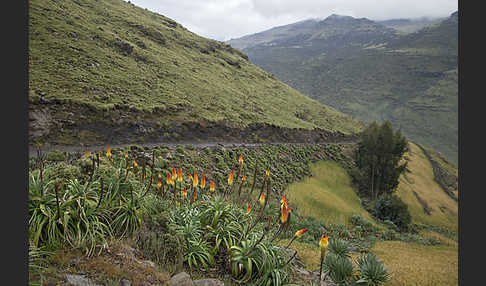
x=110, y=71
x=196, y=236
x=379, y=160
x=426, y=200
x=371, y=72
x=392, y=208
x=407, y=262
x=327, y=195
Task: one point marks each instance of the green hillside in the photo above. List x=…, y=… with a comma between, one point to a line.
x=328, y=195
x=372, y=72
x=109, y=71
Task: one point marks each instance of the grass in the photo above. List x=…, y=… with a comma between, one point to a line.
x=327, y=195
x=414, y=264
x=421, y=181
x=308, y=253
x=113, y=57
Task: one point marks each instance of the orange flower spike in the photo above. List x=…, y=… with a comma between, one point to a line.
x=323, y=243
x=248, y=210
x=190, y=177
x=126, y=155
x=230, y=178
x=284, y=215
x=267, y=173
x=203, y=181
x=240, y=160
x=243, y=178
x=108, y=152
x=159, y=176
x=185, y=192
x=211, y=186
x=194, y=195
x=283, y=201
x=195, y=180
x=86, y=152
x=262, y=199
x=135, y=164
x=301, y=232
x=169, y=179
x=174, y=174
x=159, y=184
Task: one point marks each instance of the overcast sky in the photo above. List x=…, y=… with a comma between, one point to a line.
x=226, y=19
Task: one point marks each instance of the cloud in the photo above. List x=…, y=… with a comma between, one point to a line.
x=225, y=19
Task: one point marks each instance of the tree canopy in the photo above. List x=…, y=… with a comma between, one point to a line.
x=378, y=159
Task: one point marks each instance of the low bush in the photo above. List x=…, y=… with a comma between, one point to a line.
x=392, y=208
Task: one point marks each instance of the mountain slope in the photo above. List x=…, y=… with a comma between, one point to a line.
x=373, y=72
x=108, y=71
x=410, y=25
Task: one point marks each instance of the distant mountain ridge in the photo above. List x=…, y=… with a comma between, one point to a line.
x=372, y=72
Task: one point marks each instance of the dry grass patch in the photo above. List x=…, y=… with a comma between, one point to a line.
x=327, y=195
x=308, y=253
x=444, y=210
x=414, y=264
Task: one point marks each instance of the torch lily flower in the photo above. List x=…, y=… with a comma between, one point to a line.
x=160, y=176
x=262, y=199
x=86, y=152
x=184, y=192
x=194, y=195
x=323, y=247
x=159, y=184
x=243, y=178
x=203, y=181
x=283, y=201
x=126, y=155
x=230, y=178
x=300, y=232
x=284, y=215
x=297, y=235
x=211, y=186
x=190, y=177
x=323, y=244
x=108, y=152
x=267, y=173
x=195, y=180
x=174, y=175
x=169, y=179
x=135, y=164
x=240, y=160
x=248, y=210
x=179, y=175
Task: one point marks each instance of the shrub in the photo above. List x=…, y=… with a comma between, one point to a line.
x=339, y=268
x=391, y=207
x=339, y=247
x=372, y=272
x=55, y=156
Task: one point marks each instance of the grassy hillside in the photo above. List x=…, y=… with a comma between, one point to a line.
x=420, y=191
x=327, y=195
x=372, y=72
x=101, y=71
x=408, y=262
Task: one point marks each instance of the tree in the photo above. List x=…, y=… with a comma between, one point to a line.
x=378, y=159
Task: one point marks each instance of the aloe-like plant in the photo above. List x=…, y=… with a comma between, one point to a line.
x=372, y=271
x=339, y=269
x=339, y=247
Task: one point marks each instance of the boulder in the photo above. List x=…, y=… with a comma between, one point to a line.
x=208, y=282
x=79, y=280
x=181, y=279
